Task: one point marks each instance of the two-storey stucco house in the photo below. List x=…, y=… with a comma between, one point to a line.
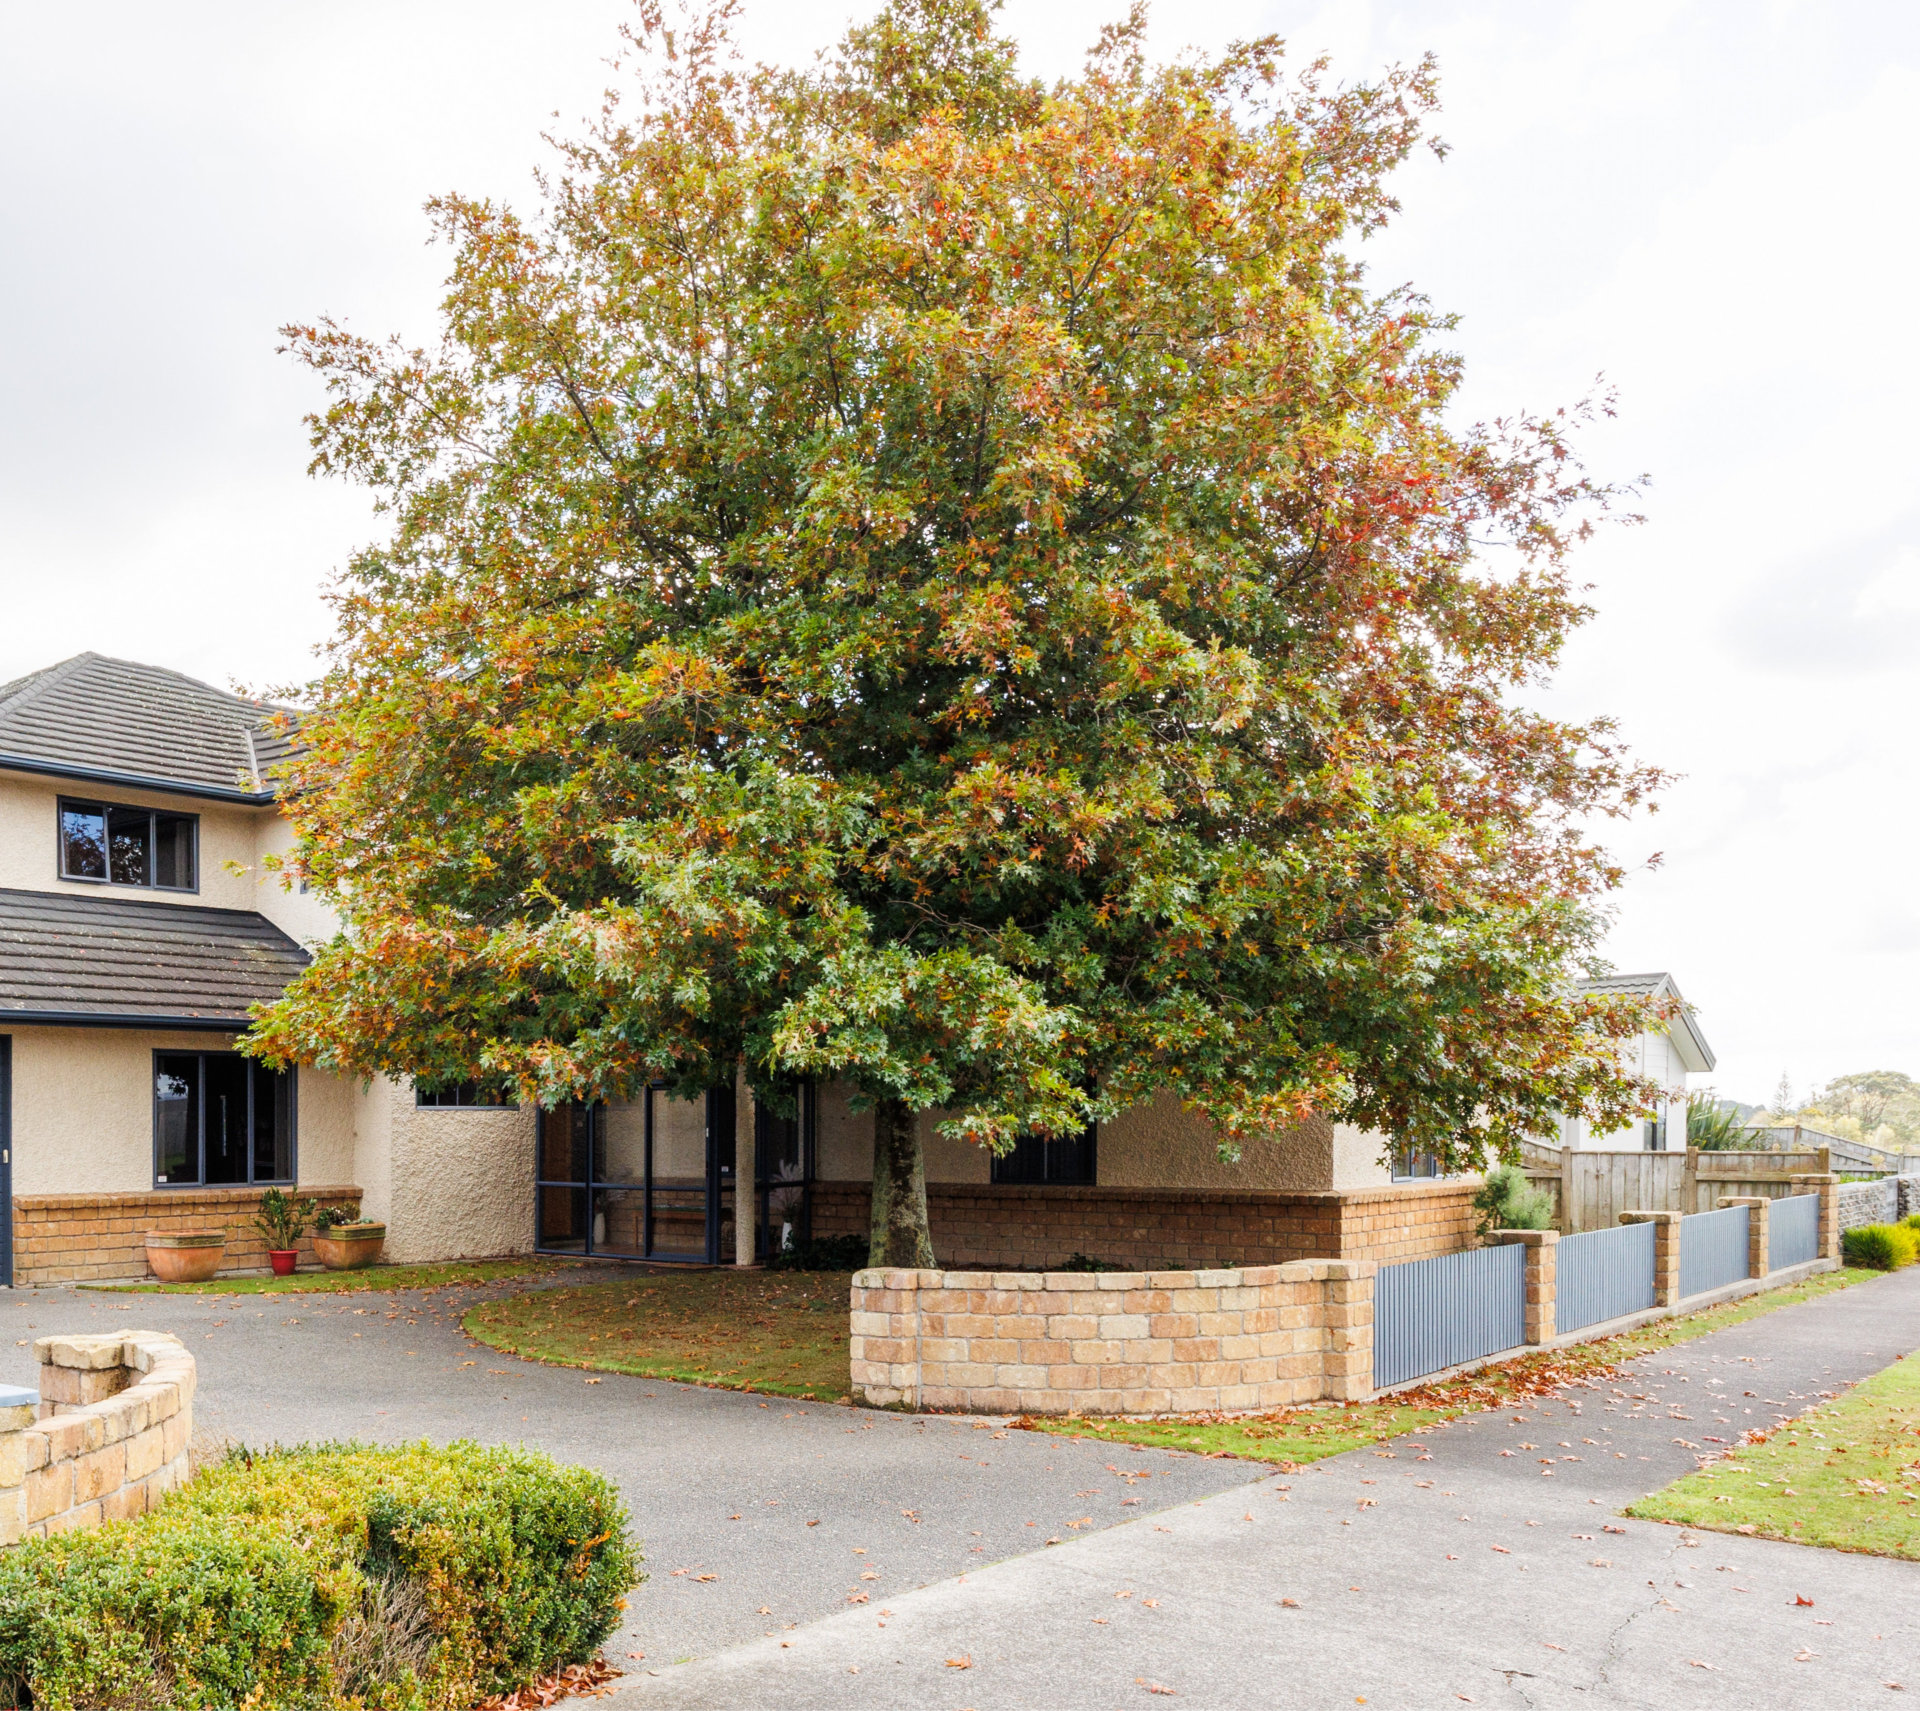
x=138, y=923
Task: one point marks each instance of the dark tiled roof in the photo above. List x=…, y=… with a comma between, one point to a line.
x=117, y=721
x=97, y=959
x=1694, y=1050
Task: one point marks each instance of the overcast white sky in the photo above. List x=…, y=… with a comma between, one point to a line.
x=1714, y=204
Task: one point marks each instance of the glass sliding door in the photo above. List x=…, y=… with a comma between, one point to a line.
x=565, y=1145
x=649, y=1180
x=783, y=1172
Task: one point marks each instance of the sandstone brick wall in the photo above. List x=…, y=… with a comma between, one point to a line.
x=108, y=1439
x=989, y=1226
x=1114, y=1342
x=77, y=1238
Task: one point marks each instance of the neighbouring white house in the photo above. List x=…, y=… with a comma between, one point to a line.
x=1667, y=1054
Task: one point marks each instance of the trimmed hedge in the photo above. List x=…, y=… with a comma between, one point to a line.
x=337, y=1577
x=1884, y=1247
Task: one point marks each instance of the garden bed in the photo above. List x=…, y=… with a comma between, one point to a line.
x=432, y=1276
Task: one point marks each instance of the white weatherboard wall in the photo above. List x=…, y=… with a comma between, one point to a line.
x=1653, y=1055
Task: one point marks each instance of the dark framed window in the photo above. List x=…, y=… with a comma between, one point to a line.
x=1040, y=1158
x=1653, y=1132
x=461, y=1095
x=220, y=1118
x=108, y=844
x=1411, y=1164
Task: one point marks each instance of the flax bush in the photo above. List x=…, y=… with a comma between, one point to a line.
x=339, y=1577
x=1883, y=1247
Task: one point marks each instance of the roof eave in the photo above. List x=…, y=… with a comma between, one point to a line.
x=136, y=781
x=124, y=1019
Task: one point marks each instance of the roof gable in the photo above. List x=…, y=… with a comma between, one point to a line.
x=1696, y=1056
x=117, y=721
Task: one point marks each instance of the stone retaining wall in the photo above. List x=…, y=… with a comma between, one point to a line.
x=108, y=1438
x=990, y=1226
x=1114, y=1342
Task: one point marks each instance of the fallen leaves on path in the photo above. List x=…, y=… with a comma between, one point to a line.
x=576, y=1681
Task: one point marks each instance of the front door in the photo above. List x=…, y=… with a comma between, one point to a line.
x=6, y=1161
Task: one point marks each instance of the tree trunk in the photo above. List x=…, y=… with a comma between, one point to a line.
x=899, y=1235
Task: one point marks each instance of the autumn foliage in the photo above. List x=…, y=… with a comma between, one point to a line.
x=901, y=573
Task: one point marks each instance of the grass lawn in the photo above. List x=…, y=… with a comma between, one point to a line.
x=1298, y=1435
x=335, y=1282
x=782, y=1332
x=1845, y=1475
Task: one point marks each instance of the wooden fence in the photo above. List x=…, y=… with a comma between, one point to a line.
x=1591, y=1189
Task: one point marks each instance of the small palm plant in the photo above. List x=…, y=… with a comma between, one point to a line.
x=282, y=1220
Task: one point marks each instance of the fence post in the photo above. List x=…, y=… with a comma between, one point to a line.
x=1823, y=1183
x=1690, y=1182
x=1666, y=1253
x=1757, y=1206
x=1567, y=1224
x=1349, y=1322
x=1542, y=1278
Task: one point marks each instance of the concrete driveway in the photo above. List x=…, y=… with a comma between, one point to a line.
x=1481, y=1564
x=755, y=1514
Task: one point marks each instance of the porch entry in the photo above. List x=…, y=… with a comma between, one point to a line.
x=655, y=1178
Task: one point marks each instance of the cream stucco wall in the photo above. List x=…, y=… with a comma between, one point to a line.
x=458, y=1183
x=83, y=1111
x=1154, y=1145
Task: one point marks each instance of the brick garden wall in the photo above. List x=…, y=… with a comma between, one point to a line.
x=108, y=1439
x=77, y=1238
x=978, y=1226
x=1116, y=1343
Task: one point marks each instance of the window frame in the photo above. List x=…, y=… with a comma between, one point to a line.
x=200, y=1055
x=1413, y=1164
x=1086, y=1143
x=107, y=809
x=430, y=1098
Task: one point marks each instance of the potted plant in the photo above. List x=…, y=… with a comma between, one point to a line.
x=281, y=1221
x=185, y=1256
x=345, y=1241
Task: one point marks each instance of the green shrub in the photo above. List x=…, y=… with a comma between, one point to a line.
x=1912, y=1220
x=1884, y=1247
x=331, y=1577
x=1508, y=1201
x=822, y=1253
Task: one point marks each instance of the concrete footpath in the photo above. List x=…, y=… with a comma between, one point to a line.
x=1483, y=1563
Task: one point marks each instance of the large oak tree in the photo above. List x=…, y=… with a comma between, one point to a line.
x=901, y=573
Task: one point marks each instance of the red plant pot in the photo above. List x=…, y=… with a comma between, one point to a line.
x=283, y=1260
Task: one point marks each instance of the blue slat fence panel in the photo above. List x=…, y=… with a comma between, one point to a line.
x=1603, y=1274
x=1430, y=1314
x=1793, y=1231
x=1713, y=1250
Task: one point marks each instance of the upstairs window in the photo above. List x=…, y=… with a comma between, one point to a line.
x=112, y=845
x=460, y=1094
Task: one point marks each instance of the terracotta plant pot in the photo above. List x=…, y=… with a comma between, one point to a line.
x=347, y=1247
x=188, y=1256
x=283, y=1260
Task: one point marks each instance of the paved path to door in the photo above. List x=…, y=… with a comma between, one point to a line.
x=1472, y=1565
x=755, y=1514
